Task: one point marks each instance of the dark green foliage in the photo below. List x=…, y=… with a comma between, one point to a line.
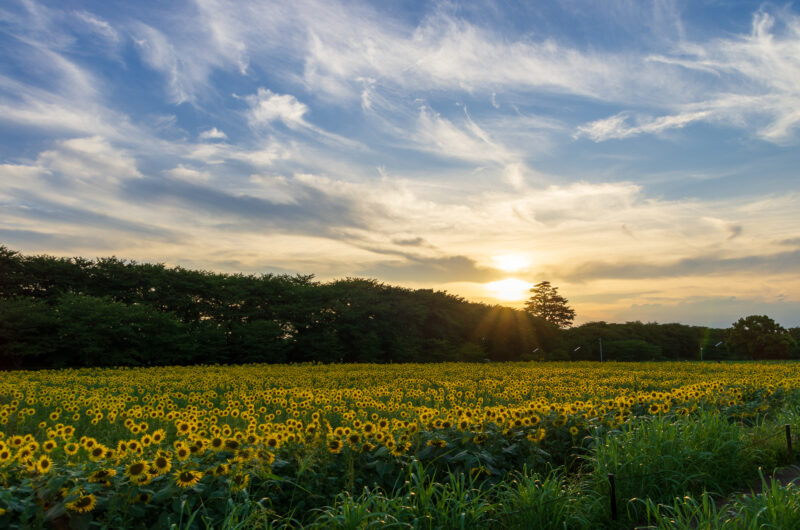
x=631, y=350
x=28, y=332
x=113, y=311
x=675, y=342
x=75, y=312
x=760, y=337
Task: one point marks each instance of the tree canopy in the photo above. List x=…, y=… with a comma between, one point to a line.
x=546, y=303
x=760, y=337
x=60, y=312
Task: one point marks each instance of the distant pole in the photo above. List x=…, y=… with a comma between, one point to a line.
x=701, y=353
x=601, y=348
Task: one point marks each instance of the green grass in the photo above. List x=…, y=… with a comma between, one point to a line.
x=776, y=507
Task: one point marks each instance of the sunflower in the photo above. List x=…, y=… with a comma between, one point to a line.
x=162, y=464
x=220, y=470
x=400, y=449
x=44, y=464
x=573, y=430
x=5, y=456
x=97, y=453
x=334, y=446
x=137, y=471
x=83, y=504
x=197, y=447
x=49, y=445
x=187, y=478
x=141, y=497
x=437, y=442
x=182, y=453
x=102, y=475
x=158, y=436
x=71, y=448
x=239, y=482
x=217, y=443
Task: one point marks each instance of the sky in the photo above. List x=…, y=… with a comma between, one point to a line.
x=642, y=156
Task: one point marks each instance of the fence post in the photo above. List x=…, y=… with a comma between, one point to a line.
x=613, y=496
x=789, y=441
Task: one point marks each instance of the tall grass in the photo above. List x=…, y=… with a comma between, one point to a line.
x=776, y=507
x=667, y=457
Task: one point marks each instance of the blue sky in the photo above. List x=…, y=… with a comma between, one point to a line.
x=641, y=156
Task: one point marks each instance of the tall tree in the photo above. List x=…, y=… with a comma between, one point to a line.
x=546, y=303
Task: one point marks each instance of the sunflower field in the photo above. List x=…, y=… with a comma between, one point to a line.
x=151, y=447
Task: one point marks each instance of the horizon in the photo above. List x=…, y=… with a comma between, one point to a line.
x=641, y=157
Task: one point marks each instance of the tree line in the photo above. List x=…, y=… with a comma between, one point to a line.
x=73, y=312
x=58, y=312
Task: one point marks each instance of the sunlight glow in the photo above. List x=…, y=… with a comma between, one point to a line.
x=511, y=262
x=509, y=290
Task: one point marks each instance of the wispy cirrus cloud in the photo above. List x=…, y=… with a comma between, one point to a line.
x=756, y=77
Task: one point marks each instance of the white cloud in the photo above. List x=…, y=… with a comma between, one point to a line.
x=89, y=159
x=267, y=107
x=186, y=173
x=617, y=127
x=757, y=83
x=213, y=134
x=441, y=136
x=160, y=54
x=99, y=26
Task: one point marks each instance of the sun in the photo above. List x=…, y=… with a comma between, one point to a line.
x=509, y=290
x=511, y=262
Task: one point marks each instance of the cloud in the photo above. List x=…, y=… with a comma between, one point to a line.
x=709, y=265
x=617, y=127
x=314, y=210
x=37, y=210
x=213, y=134
x=436, y=269
x=471, y=143
x=99, y=26
x=267, y=107
x=750, y=78
x=158, y=52
x=53, y=242
x=90, y=158
x=411, y=242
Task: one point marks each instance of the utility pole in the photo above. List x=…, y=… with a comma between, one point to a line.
x=601, y=348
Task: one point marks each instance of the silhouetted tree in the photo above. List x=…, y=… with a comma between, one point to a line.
x=546, y=303
x=760, y=337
